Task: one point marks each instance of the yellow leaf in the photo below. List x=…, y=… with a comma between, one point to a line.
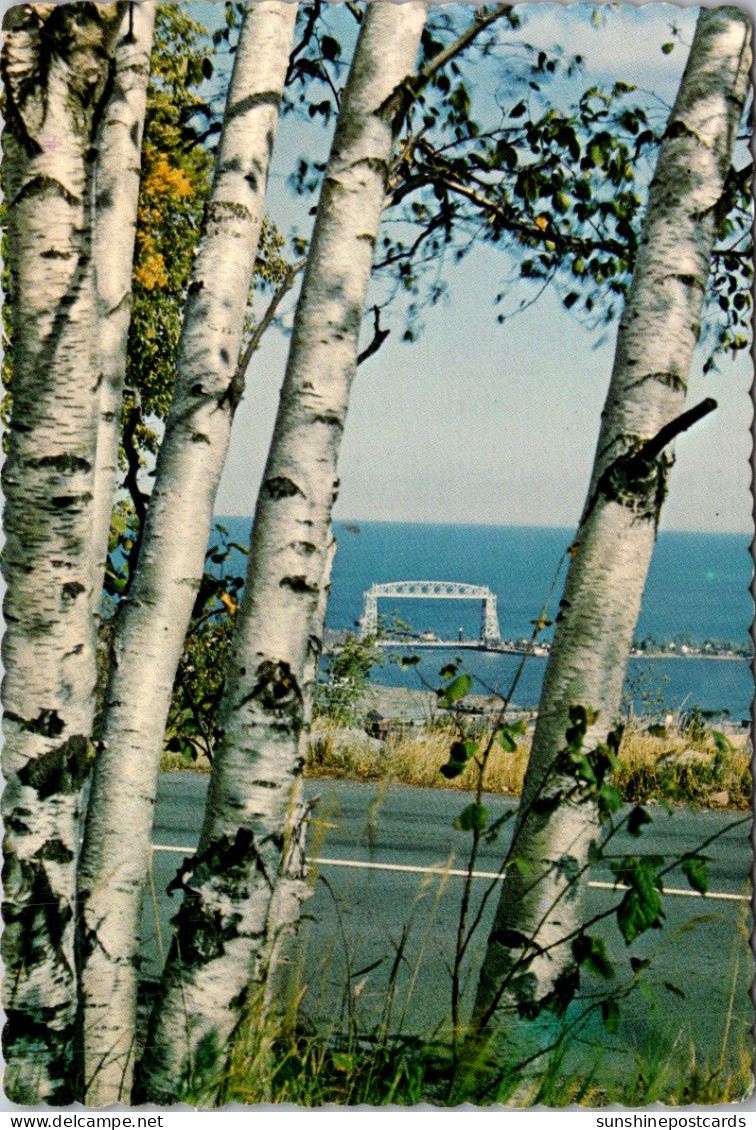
x=229, y=603
x=542, y=222
x=151, y=273
x=164, y=179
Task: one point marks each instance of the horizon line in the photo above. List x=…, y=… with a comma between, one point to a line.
x=499, y=525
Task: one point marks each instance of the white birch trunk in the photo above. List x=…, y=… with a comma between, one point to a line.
x=116, y=191
x=152, y=624
x=293, y=885
x=221, y=926
x=55, y=64
x=615, y=540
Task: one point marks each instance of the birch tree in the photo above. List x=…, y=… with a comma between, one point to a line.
x=116, y=190
x=536, y=919
x=220, y=928
x=55, y=64
x=153, y=620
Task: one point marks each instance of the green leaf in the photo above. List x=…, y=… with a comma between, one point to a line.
x=667, y=48
x=472, y=818
x=342, y=1061
x=591, y=952
x=697, y=873
x=582, y=715
x=462, y=751
x=329, y=48
x=610, y=798
x=518, y=110
x=641, y=907
x=595, y=155
x=637, y=819
x=457, y=688
x=506, y=741
x=610, y=1015
x=506, y=154
x=453, y=769
x=585, y=772
x=566, y=986
x=561, y=202
x=529, y=870
x=409, y=660
x=636, y=914
x=448, y=671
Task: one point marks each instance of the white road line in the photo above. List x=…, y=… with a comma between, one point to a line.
x=675, y=891
x=365, y=865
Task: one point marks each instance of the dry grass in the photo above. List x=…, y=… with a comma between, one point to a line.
x=412, y=758
x=718, y=777
x=647, y=765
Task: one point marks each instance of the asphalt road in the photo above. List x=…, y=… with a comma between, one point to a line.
x=382, y=852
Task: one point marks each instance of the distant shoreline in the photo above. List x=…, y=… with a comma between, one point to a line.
x=333, y=637
x=415, y=704
x=687, y=655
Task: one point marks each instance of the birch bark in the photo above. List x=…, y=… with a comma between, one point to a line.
x=55, y=64
x=116, y=190
x=221, y=926
x=616, y=536
x=293, y=886
x=152, y=624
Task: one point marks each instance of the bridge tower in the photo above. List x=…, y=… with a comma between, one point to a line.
x=369, y=618
x=490, y=633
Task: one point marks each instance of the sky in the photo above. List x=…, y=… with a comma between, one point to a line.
x=487, y=423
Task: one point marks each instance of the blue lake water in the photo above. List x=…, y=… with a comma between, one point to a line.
x=698, y=586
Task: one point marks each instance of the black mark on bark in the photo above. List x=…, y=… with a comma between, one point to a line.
x=61, y=770
x=298, y=584
x=281, y=487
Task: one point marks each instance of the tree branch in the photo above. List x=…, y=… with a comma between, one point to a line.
x=481, y=20
x=235, y=390
x=307, y=35
x=403, y=95
x=532, y=234
x=627, y=475
x=653, y=447
x=379, y=336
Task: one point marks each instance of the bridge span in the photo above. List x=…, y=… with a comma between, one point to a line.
x=490, y=634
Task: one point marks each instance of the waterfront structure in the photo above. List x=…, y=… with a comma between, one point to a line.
x=490, y=634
